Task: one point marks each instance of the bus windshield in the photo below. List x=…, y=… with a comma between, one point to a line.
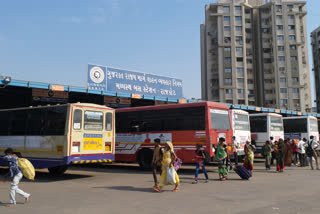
x=297, y=125
x=219, y=119
x=241, y=122
x=313, y=125
x=276, y=124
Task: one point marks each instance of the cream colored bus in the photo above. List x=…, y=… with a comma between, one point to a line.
x=56, y=136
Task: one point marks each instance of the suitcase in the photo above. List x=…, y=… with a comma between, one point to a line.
x=242, y=172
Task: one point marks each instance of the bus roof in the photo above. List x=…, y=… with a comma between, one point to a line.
x=265, y=114
x=238, y=111
x=172, y=106
x=67, y=104
x=299, y=117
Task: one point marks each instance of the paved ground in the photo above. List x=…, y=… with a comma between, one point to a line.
x=125, y=189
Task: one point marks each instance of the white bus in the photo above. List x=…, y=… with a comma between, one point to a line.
x=301, y=126
x=56, y=136
x=265, y=125
x=241, y=128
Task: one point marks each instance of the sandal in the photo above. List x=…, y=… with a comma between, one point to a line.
x=175, y=190
x=157, y=189
x=194, y=182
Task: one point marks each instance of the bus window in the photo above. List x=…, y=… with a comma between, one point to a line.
x=77, y=119
x=258, y=123
x=93, y=120
x=313, y=125
x=108, y=121
x=241, y=122
x=276, y=124
x=298, y=125
x=219, y=119
x=55, y=120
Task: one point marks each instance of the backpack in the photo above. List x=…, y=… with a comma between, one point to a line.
x=309, y=149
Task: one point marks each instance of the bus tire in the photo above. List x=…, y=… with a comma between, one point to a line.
x=207, y=157
x=144, y=158
x=58, y=170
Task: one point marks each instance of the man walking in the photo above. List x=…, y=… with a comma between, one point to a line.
x=16, y=176
x=302, y=152
x=156, y=161
x=272, y=150
x=311, y=146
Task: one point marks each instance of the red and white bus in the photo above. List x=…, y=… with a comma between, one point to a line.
x=185, y=125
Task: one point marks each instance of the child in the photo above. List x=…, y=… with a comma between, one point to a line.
x=267, y=153
x=200, y=162
x=16, y=176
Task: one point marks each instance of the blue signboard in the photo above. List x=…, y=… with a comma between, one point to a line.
x=96, y=78
x=131, y=82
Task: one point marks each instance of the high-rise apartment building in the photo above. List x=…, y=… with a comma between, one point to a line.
x=255, y=53
x=315, y=43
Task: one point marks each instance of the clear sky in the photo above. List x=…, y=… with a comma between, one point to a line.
x=53, y=41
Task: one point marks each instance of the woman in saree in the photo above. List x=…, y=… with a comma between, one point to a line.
x=281, y=149
x=167, y=162
x=221, y=157
x=267, y=154
x=288, y=153
x=249, y=156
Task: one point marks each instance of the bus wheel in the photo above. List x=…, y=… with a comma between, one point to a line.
x=207, y=157
x=58, y=170
x=144, y=158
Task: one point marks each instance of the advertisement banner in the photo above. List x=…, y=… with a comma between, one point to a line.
x=131, y=82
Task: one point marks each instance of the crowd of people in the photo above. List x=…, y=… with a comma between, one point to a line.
x=281, y=152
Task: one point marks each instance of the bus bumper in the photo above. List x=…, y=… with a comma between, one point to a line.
x=85, y=159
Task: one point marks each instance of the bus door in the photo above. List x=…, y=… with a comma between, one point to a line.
x=219, y=125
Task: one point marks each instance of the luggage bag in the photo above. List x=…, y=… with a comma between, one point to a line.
x=242, y=172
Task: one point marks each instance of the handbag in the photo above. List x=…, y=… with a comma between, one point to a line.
x=177, y=164
x=171, y=175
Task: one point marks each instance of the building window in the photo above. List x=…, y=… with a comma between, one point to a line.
x=295, y=90
x=227, y=49
x=226, y=18
x=291, y=27
x=238, y=18
x=279, y=27
x=229, y=101
x=265, y=30
x=291, y=17
x=283, y=80
x=241, y=102
x=228, y=91
x=295, y=79
x=240, y=80
x=249, y=61
x=250, y=92
x=227, y=28
x=239, y=39
x=282, y=69
x=238, y=8
x=247, y=11
x=240, y=91
x=294, y=69
x=227, y=39
x=249, y=71
x=267, y=60
x=280, y=48
x=227, y=59
x=239, y=49
x=227, y=70
x=279, y=17
x=240, y=70
x=227, y=81
x=290, y=7
x=282, y=58
x=250, y=81
x=226, y=9
x=279, y=8
x=293, y=47
x=292, y=37
x=238, y=28
x=293, y=58
x=283, y=90
x=283, y=101
x=239, y=59
x=268, y=91
x=280, y=38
